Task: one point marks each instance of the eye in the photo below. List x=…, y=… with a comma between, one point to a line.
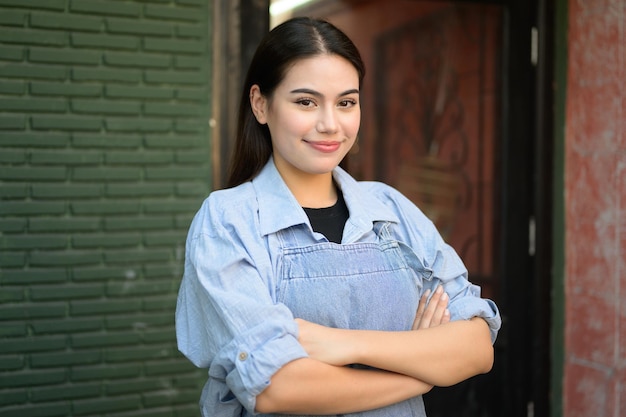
x=347, y=103
x=305, y=102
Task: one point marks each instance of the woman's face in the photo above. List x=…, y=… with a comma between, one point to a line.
x=313, y=115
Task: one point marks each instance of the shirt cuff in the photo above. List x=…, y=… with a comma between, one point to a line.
x=468, y=307
x=256, y=359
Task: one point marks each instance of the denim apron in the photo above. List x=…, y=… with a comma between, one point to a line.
x=374, y=284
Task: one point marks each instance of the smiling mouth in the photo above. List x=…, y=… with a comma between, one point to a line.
x=324, y=146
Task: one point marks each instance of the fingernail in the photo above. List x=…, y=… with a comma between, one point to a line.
x=439, y=289
x=427, y=292
x=444, y=296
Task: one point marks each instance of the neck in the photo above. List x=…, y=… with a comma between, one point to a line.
x=312, y=191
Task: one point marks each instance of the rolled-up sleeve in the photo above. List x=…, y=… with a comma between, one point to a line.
x=465, y=298
x=444, y=265
x=226, y=317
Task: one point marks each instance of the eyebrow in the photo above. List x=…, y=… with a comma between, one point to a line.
x=318, y=94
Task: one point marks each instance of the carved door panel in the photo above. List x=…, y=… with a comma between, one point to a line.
x=437, y=96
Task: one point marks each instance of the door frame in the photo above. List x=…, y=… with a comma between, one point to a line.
x=528, y=157
x=237, y=27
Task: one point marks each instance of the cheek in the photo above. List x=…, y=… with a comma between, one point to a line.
x=298, y=123
x=352, y=125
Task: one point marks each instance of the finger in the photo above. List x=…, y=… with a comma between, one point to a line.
x=420, y=310
x=440, y=308
x=429, y=312
x=446, y=317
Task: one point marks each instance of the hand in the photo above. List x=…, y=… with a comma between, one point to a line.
x=324, y=344
x=434, y=312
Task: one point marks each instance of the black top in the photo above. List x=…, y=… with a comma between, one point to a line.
x=329, y=221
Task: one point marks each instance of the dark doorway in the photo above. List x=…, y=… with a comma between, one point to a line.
x=456, y=115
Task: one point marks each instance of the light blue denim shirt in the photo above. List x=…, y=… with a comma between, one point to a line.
x=235, y=315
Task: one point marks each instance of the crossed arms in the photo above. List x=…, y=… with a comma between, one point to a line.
x=436, y=352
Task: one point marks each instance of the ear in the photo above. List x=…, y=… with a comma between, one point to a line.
x=258, y=103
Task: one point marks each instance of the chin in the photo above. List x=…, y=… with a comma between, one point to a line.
x=323, y=168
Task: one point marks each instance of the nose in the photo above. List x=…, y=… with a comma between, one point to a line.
x=327, y=122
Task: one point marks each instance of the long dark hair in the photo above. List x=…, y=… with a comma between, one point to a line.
x=295, y=39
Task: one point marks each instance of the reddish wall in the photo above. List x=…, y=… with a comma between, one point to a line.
x=595, y=198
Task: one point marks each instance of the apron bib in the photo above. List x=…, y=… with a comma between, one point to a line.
x=369, y=285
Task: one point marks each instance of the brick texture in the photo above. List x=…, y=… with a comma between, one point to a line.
x=104, y=159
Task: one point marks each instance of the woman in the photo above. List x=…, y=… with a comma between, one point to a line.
x=306, y=292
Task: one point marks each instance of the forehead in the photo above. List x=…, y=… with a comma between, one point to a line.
x=322, y=70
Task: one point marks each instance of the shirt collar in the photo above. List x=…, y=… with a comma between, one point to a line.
x=279, y=209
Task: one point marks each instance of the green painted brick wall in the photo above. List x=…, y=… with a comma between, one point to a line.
x=104, y=159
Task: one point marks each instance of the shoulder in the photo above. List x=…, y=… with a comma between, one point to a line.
x=413, y=223
x=380, y=189
x=232, y=200
x=390, y=197
x=370, y=192
x=378, y=199
x=231, y=208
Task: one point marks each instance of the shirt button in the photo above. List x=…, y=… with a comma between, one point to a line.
x=243, y=356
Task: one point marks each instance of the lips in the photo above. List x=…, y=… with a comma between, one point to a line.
x=325, y=146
